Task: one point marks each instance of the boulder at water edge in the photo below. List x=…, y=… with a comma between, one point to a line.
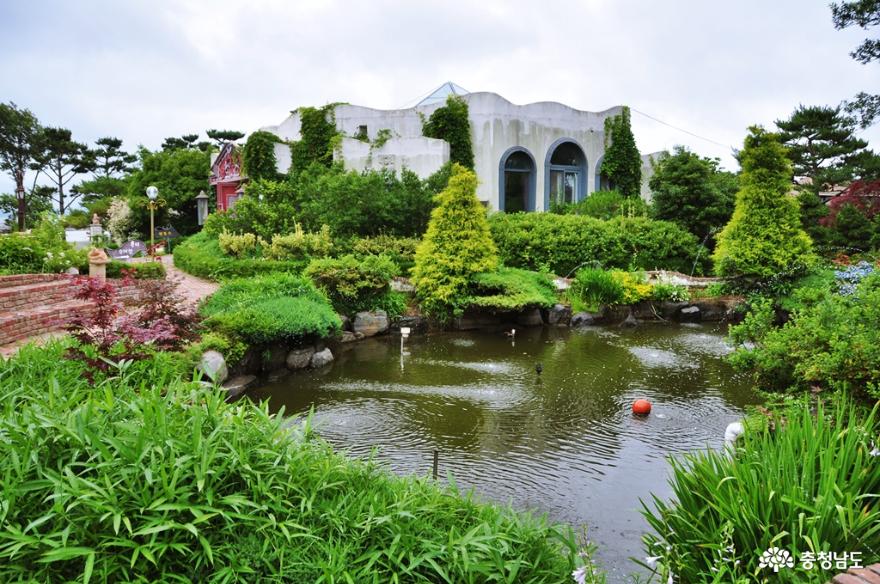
x=559, y=315
x=582, y=319
x=370, y=323
x=300, y=358
x=322, y=358
x=213, y=366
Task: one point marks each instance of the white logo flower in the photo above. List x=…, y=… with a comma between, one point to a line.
x=776, y=558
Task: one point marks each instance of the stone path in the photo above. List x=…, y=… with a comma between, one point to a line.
x=194, y=289
x=868, y=575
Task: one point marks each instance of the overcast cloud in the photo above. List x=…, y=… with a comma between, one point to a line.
x=146, y=70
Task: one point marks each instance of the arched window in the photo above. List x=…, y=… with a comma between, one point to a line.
x=566, y=173
x=517, y=181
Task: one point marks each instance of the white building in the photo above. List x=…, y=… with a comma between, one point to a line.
x=525, y=156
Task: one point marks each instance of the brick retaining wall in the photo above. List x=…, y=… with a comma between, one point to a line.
x=35, y=304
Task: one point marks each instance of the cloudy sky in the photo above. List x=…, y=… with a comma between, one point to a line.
x=146, y=70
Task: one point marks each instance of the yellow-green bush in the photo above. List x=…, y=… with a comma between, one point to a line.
x=240, y=245
x=635, y=288
x=456, y=247
x=300, y=244
x=764, y=237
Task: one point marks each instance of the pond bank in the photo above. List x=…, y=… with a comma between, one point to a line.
x=270, y=362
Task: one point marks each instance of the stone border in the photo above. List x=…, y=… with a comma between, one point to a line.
x=270, y=363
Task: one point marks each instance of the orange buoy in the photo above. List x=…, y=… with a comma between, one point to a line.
x=641, y=407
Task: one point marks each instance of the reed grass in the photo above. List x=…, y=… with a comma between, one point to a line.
x=812, y=485
x=148, y=478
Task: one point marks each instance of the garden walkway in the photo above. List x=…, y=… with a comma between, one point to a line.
x=192, y=288
x=868, y=575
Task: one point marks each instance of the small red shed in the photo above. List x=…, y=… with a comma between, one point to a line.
x=226, y=176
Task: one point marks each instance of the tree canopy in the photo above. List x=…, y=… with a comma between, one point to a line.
x=19, y=145
x=693, y=192
x=62, y=159
x=450, y=122
x=221, y=137
x=179, y=175
x=622, y=163
x=822, y=145
x=864, y=14
x=110, y=159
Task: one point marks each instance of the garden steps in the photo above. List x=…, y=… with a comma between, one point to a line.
x=32, y=305
x=32, y=293
x=21, y=323
x=25, y=279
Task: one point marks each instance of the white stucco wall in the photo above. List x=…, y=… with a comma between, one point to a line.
x=648, y=162
x=282, y=157
x=497, y=125
x=424, y=156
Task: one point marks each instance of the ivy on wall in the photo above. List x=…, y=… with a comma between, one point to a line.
x=259, y=156
x=622, y=163
x=318, y=137
x=450, y=122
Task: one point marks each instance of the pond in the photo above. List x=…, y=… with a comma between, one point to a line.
x=563, y=442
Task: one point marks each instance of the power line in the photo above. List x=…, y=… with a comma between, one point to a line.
x=682, y=129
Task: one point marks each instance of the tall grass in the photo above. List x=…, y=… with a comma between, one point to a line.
x=594, y=287
x=147, y=478
x=812, y=485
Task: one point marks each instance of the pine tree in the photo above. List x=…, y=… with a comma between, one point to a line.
x=20, y=134
x=865, y=14
x=764, y=237
x=821, y=144
x=62, y=159
x=110, y=159
x=457, y=246
x=622, y=163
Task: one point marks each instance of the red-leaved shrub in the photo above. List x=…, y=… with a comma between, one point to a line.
x=106, y=332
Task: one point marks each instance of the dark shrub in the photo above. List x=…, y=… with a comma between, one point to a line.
x=352, y=284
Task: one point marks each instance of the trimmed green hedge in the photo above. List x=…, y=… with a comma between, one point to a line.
x=354, y=284
x=269, y=308
x=512, y=289
x=562, y=243
x=140, y=270
x=200, y=255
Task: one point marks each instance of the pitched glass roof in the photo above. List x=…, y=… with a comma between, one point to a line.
x=440, y=94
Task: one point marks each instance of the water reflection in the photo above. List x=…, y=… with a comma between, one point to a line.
x=562, y=442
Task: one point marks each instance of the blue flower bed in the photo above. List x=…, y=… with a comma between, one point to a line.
x=850, y=277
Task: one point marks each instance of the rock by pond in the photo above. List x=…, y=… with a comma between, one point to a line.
x=213, y=366
x=559, y=315
x=321, y=358
x=299, y=358
x=370, y=323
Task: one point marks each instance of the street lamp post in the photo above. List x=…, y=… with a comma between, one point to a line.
x=152, y=205
x=202, y=207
